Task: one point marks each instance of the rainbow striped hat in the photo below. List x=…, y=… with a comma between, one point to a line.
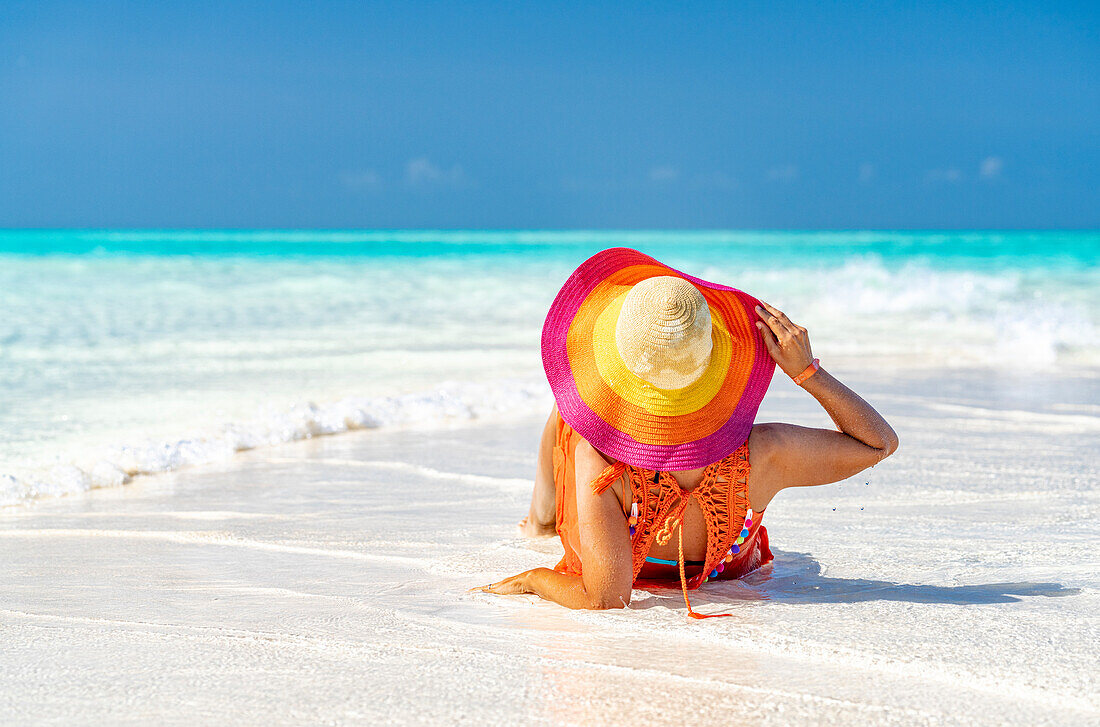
x=653, y=367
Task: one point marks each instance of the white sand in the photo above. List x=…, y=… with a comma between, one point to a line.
x=325, y=582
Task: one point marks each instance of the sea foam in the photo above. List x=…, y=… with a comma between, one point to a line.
x=112, y=344
x=116, y=465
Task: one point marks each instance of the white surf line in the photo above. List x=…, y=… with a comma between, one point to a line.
x=920, y=499
x=327, y=645
x=826, y=655
x=1022, y=416
x=431, y=472
x=656, y=674
x=212, y=515
x=946, y=673
x=649, y=675
x=217, y=539
x=323, y=644
x=1093, y=409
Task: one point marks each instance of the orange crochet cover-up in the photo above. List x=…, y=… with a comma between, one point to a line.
x=661, y=503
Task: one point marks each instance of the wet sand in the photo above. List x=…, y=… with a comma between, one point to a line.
x=326, y=582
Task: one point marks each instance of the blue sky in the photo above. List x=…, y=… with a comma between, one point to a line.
x=821, y=115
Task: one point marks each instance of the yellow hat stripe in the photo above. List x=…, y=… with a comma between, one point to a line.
x=638, y=391
x=642, y=425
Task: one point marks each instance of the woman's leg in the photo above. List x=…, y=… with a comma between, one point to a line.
x=541, y=518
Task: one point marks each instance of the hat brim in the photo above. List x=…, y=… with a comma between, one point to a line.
x=623, y=416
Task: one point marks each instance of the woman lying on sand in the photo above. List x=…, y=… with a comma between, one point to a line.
x=657, y=377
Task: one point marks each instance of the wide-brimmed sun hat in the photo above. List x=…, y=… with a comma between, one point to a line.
x=656, y=368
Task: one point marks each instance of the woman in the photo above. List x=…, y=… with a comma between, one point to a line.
x=657, y=377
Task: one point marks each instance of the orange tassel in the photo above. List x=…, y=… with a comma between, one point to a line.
x=684, y=587
x=610, y=473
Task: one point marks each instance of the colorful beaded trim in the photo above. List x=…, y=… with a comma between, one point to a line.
x=735, y=548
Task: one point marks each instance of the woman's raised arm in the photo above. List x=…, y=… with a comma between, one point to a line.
x=792, y=455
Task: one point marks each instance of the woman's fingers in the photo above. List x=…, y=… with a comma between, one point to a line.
x=507, y=587
x=788, y=344
x=769, y=338
x=491, y=588
x=776, y=327
x=781, y=317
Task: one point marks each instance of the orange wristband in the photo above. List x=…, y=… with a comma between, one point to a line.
x=810, y=371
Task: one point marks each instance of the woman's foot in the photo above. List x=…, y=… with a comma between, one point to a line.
x=530, y=528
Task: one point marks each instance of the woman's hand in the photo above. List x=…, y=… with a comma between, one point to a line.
x=507, y=587
x=787, y=343
x=563, y=588
x=792, y=456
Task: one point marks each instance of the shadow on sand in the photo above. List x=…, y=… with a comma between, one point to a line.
x=797, y=578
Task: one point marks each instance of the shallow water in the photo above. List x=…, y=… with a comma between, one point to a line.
x=131, y=352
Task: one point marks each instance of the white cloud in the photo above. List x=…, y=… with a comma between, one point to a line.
x=713, y=180
x=595, y=186
x=660, y=175
x=991, y=167
x=867, y=172
x=664, y=174
x=785, y=173
x=422, y=172
x=951, y=175
x=361, y=180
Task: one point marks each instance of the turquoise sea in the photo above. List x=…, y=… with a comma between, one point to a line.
x=137, y=351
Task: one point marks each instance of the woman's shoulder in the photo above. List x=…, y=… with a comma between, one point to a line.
x=595, y=468
x=765, y=439
x=769, y=441
x=766, y=443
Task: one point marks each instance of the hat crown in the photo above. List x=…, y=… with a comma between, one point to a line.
x=663, y=332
